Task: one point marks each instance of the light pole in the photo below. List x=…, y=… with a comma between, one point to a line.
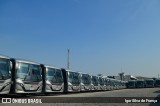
x=68, y=62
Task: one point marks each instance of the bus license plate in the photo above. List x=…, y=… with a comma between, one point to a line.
x=33, y=87
x=75, y=87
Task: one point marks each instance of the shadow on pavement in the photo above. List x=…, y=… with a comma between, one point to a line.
x=156, y=98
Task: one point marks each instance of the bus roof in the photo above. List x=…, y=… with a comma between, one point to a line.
x=49, y=66
x=4, y=56
x=25, y=61
x=70, y=70
x=85, y=73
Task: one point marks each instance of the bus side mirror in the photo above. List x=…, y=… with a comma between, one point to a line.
x=11, y=66
x=9, y=73
x=17, y=66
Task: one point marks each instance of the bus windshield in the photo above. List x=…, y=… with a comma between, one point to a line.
x=157, y=82
x=94, y=80
x=74, y=77
x=107, y=82
x=29, y=72
x=131, y=83
x=86, y=79
x=54, y=75
x=150, y=82
x=4, y=69
x=140, y=82
x=101, y=82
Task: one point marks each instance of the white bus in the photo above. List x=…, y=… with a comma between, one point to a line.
x=52, y=79
x=101, y=83
x=5, y=74
x=72, y=81
x=26, y=77
x=85, y=82
x=94, y=83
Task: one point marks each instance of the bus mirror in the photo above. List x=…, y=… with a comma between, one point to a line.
x=9, y=73
x=17, y=66
x=11, y=66
x=41, y=71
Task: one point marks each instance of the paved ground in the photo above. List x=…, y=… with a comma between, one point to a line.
x=116, y=95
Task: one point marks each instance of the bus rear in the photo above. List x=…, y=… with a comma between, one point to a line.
x=26, y=76
x=5, y=74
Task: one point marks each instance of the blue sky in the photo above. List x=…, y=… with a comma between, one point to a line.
x=104, y=36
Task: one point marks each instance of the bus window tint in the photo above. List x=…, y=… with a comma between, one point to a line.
x=94, y=80
x=51, y=74
x=54, y=75
x=35, y=72
x=70, y=76
x=4, y=69
x=28, y=72
x=149, y=82
x=107, y=82
x=74, y=78
x=59, y=76
x=22, y=70
x=86, y=79
x=157, y=82
x=101, y=81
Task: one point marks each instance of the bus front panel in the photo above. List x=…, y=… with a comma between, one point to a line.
x=28, y=78
x=85, y=82
x=54, y=80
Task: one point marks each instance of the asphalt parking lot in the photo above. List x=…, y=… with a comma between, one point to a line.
x=102, y=98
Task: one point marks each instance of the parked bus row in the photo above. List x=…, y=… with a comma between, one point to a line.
x=148, y=83
x=18, y=76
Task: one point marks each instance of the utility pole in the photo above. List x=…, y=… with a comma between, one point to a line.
x=121, y=68
x=68, y=63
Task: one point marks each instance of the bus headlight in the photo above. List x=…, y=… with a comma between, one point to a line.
x=20, y=84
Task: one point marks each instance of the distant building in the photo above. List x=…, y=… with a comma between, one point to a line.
x=129, y=77
x=117, y=77
x=111, y=77
x=143, y=78
x=121, y=75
